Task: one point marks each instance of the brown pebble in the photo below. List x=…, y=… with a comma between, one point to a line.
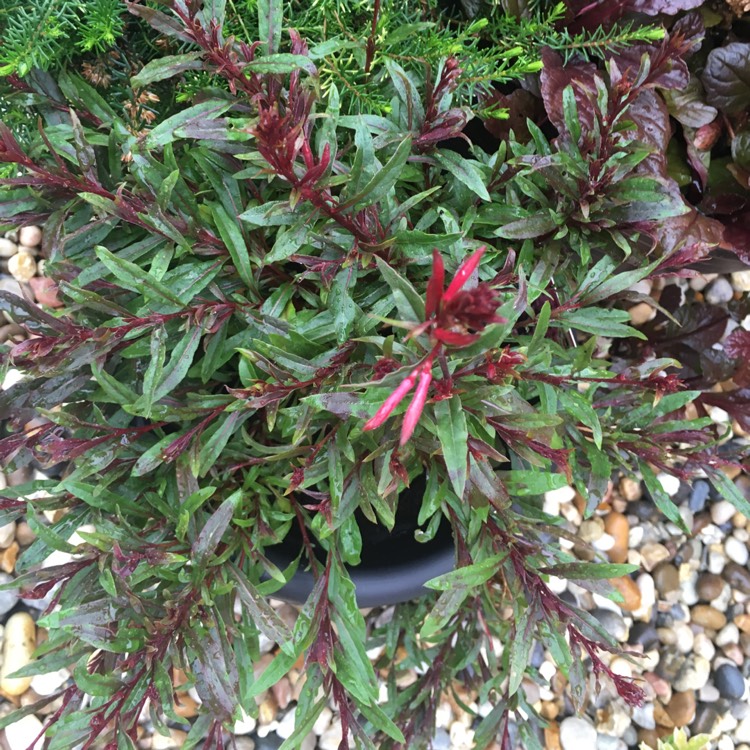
x=681, y=708
x=743, y=623
x=19, y=476
x=666, y=578
x=737, y=576
x=8, y=557
x=549, y=710
x=185, y=706
x=617, y=526
x=24, y=535
x=631, y=594
x=630, y=489
x=552, y=736
x=709, y=586
x=662, y=718
x=708, y=617
x=45, y=291
x=282, y=691
x=648, y=737
x=267, y=710
x=9, y=330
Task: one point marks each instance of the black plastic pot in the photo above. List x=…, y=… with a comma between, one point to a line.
x=393, y=567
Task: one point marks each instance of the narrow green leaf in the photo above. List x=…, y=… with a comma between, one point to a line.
x=464, y=171
x=270, y=17
x=453, y=435
x=215, y=527
x=166, y=67
x=520, y=648
x=408, y=301
x=153, y=372
x=469, y=575
x=179, y=363
x=133, y=277
x=231, y=236
x=384, y=179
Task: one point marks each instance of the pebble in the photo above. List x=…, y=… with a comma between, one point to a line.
x=742, y=731
x=641, y=313
x=708, y=617
x=323, y=721
x=617, y=526
x=45, y=291
x=22, y=267
x=612, y=622
x=741, y=281
x=175, y=739
x=666, y=578
x=737, y=576
x=643, y=716
x=646, y=587
x=629, y=591
x=19, y=645
x=8, y=248
x=730, y=633
x=286, y=725
x=652, y=554
x=645, y=634
x=7, y=534
x=681, y=708
x=729, y=682
x=20, y=735
x=699, y=495
x=709, y=586
x=9, y=284
x=693, y=674
x=30, y=236
x=24, y=535
x=9, y=598
x=669, y=483
x=722, y=512
x=242, y=743
x=244, y=725
x=577, y=733
x=705, y=719
x=46, y=684
x=736, y=550
x=630, y=489
x=719, y=292
x=331, y=738
x=591, y=530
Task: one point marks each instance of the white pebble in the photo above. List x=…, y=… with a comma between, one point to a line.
x=557, y=585
x=8, y=248
x=577, y=733
x=331, y=738
x=718, y=415
x=709, y=694
x=444, y=715
x=46, y=684
x=722, y=512
x=684, y=637
x=703, y=646
x=604, y=543
x=12, y=377
x=323, y=721
x=286, y=725
x=736, y=551
x=741, y=281
x=730, y=633
x=646, y=586
x=725, y=743
x=22, y=266
x=19, y=644
x=562, y=495
x=719, y=292
x=547, y=670
x=741, y=733
x=244, y=725
x=716, y=562
x=7, y=534
x=670, y=484
x=31, y=236
x=21, y=734
x=462, y=738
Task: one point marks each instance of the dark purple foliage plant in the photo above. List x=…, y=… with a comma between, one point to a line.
x=281, y=307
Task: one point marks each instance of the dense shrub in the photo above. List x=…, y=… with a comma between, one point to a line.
x=282, y=305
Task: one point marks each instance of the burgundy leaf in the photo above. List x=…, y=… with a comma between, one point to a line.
x=555, y=78
x=726, y=77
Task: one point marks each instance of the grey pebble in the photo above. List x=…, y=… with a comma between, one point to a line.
x=699, y=496
x=612, y=623
x=729, y=681
x=8, y=599
x=705, y=719
x=441, y=740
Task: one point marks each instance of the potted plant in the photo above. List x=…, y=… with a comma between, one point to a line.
x=305, y=329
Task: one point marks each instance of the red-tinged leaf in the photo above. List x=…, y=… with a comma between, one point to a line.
x=452, y=338
x=215, y=527
x=555, y=78
x=737, y=346
x=726, y=77
x=414, y=412
x=435, y=285
x=464, y=272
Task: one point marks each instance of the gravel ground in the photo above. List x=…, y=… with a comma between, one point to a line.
x=687, y=613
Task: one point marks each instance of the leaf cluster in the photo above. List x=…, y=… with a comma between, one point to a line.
x=247, y=279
